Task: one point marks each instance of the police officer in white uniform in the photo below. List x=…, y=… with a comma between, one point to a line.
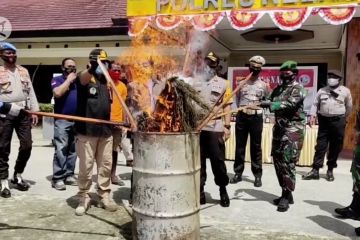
x=250, y=121
x=332, y=105
x=215, y=133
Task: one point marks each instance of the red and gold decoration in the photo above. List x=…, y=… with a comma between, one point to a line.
x=290, y=20
x=138, y=25
x=168, y=22
x=337, y=16
x=206, y=22
x=243, y=20
x=285, y=19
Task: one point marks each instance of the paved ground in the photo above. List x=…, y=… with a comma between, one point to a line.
x=44, y=213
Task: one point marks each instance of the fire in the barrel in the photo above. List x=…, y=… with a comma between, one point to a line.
x=178, y=109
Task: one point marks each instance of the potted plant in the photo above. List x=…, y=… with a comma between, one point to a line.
x=47, y=122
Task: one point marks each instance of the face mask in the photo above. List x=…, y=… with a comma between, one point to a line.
x=255, y=72
x=9, y=59
x=70, y=70
x=209, y=72
x=333, y=82
x=287, y=77
x=115, y=75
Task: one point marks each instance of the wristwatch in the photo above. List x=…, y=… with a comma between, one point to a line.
x=227, y=126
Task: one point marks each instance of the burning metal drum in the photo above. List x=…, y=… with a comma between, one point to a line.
x=166, y=185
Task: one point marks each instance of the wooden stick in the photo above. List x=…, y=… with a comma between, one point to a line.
x=238, y=109
x=216, y=109
x=78, y=119
x=117, y=94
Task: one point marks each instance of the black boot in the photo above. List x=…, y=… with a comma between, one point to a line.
x=257, y=182
x=19, y=183
x=283, y=205
x=330, y=175
x=202, y=196
x=224, y=197
x=357, y=231
x=290, y=198
x=313, y=174
x=237, y=178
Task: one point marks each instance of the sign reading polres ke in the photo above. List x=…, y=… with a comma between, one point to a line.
x=5, y=28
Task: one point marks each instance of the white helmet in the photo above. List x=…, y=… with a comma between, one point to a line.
x=257, y=60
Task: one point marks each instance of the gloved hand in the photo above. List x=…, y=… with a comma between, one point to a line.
x=334, y=94
x=265, y=104
x=15, y=110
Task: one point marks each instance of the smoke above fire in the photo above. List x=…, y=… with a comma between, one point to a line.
x=157, y=57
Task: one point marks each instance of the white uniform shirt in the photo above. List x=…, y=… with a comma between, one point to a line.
x=328, y=105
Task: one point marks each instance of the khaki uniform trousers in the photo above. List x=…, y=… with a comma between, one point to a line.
x=91, y=149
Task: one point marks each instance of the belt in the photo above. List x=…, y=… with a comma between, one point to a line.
x=337, y=117
x=252, y=111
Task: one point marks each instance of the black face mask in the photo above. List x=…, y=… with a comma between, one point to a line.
x=255, y=72
x=287, y=77
x=69, y=70
x=9, y=59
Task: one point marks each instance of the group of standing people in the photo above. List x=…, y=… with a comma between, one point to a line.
x=85, y=94
x=88, y=94
x=332, y=106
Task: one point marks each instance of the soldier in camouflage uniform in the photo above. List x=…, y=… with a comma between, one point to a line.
x=288, y=133
x=353, y=211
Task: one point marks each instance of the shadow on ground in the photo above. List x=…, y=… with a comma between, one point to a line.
x=334, y=225
x=325, y=205
x=257, y=194
x=6, y=227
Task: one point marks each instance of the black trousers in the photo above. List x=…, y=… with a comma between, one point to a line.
x=212, y=146
x=330, y=139
x=355, y=203
x=245, y=125
x=22, y=126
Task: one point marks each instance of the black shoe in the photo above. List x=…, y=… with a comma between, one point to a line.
x=330, y=176
x=313, y=174
x=20, y=184
x=283, y=205
x=5, y=193
x=237, y=178
x=347, y=212
x=289, y=198
x=202, y=198
x=224, y=197
x=357, y=231
x=257, y=182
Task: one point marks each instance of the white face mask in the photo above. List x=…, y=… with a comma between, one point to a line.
x=332, y=82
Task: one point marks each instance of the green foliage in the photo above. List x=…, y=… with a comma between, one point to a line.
x=46, y=107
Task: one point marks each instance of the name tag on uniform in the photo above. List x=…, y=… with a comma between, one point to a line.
x=92, y=91
x=216, y=88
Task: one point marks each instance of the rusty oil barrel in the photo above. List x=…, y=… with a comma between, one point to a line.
x=166, y=186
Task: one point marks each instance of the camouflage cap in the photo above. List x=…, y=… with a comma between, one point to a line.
x=289, y=65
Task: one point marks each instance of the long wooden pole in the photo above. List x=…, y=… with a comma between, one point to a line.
x=216, y=109
x=78, y=119
x=238, y=109
x=117, y=94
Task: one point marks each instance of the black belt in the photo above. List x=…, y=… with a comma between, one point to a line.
x=337, y=117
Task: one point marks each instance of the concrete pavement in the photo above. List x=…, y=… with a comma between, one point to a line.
x=44, y=213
